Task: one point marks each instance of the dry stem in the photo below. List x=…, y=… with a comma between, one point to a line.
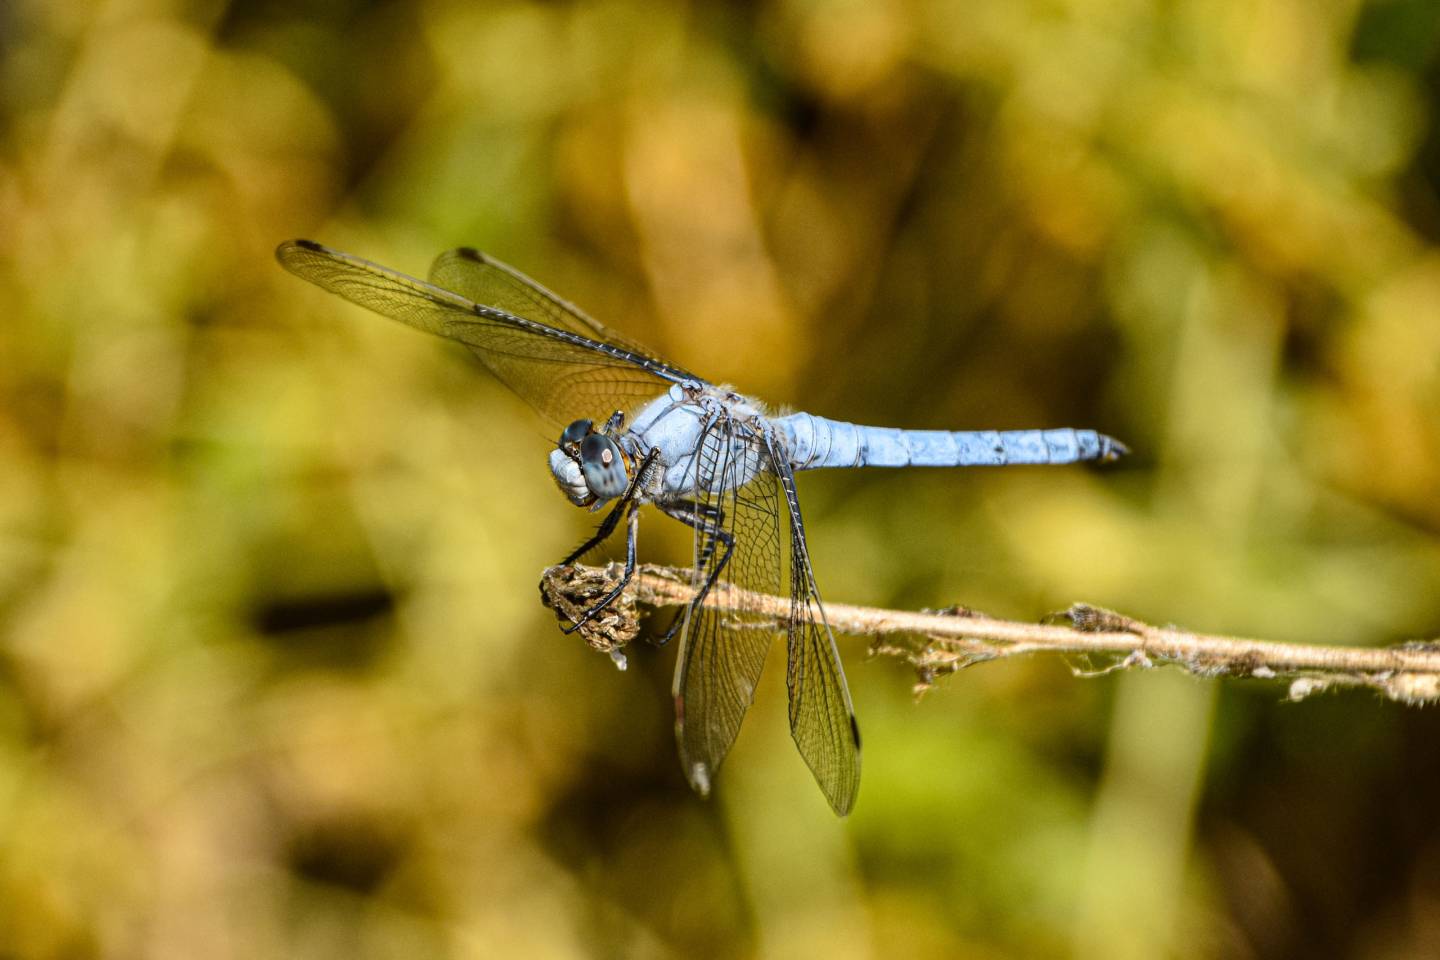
x=937, y=643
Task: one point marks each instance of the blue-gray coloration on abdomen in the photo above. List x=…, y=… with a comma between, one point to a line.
x=817, y=442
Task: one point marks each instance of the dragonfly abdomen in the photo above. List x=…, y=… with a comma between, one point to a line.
x=816, y=442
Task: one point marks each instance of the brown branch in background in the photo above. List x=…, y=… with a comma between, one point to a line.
x=942, y=642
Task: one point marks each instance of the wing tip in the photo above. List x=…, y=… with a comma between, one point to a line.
x=699, y=776
x=842, y=801
x=283, y=251
x=839, y=784
x=697, y=772
x=470, y=253
x=847, y=802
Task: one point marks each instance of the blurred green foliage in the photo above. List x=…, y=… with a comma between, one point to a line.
x=274, y=680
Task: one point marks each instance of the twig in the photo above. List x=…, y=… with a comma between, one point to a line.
x=942, y=642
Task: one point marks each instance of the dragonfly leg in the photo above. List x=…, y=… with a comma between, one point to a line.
x=631, y=529
x=602, y=533
x=708, y=519
x=700, y=516
x=607, y=526
x=631, y=502
x=671, y=630
x=715, y=519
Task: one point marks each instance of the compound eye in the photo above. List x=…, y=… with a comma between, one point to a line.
x=603, y=467
x=576, y=432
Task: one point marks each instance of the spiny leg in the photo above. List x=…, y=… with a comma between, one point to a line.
x=602, y=533
x=699, y=516
x=714, y=517
x=694, y=515
x=632, y=528
x=629, y=500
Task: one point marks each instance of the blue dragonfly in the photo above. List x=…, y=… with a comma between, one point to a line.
x=639, y=430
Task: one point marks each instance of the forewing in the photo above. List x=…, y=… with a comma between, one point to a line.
x=565, y=374
x=722, y=653
x=482, y=278
x=377, y=288
x=822, y=719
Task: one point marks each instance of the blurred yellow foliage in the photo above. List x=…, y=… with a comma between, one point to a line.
x=273, y=677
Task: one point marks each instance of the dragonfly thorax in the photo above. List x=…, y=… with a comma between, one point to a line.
x=707, y=439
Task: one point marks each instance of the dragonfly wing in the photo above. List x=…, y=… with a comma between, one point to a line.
x=388, y=292
x=482, y=278
x=562, y=372
x=822, y=719
x=722, y=653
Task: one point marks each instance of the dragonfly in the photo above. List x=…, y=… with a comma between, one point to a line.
x=638, y=430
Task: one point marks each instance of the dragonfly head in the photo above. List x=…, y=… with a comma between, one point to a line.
x=589, y=467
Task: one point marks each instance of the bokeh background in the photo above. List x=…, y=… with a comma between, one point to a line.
x=274, y=677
